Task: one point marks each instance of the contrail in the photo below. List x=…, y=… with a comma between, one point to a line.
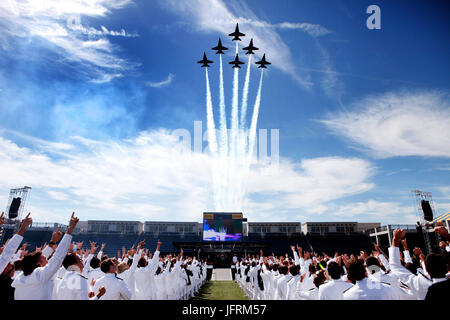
x=223, y=120
x=212, y=142
x=252, y=133
x=211, y=127
x=245, y=93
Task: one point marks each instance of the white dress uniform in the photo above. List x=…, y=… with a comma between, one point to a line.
x=282, y=287
x=418, y=284
x=144, y=281
x=116, y=289
x=161, y=283
x=73, y=286
x=94, y=274
x=334, y=289
x=36, y=285
x=274, y=284
x=292, y=287
x=9, y=251
x=367, y=289
x=128, y=276
x=265, y=275
x=172, y=282
x=311, y=294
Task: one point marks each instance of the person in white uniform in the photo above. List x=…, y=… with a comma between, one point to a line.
x=364, y=288
x=116, y=289
x=334, y=288
x=33, y=282
x=74, y=286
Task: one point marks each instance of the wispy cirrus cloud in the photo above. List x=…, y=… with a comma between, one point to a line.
x=57, y=24
x=217, y=16
x=397, y=124
x=162, y=83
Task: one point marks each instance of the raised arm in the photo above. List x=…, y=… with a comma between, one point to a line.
x=45, y=273
x=14, y=243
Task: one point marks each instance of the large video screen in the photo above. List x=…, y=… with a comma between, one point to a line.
x=222, y=226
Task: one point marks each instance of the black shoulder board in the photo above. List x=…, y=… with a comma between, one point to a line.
x=82, y=276
x=424, y=276
x=346, y=290
x=385, y=283
x=311, y=289
x=118, y=278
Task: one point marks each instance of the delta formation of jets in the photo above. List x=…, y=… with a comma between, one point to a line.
x=236, y=62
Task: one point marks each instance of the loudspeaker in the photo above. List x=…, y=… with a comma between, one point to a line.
x=14, y=208
x=427, y=212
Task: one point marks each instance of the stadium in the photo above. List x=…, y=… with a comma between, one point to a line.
x=241, y=237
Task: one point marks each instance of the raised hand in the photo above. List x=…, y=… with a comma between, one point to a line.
x=101, y=292
x=93, y=247
x=72, y=224
x=443, y=232
x=158, y=245
x=103, y=246
x=25, y=224
x=80, y=245
x=405, y=245
x=140, y=245
x=2, y=219
x=56, y=236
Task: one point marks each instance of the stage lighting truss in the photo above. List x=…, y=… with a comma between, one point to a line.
x=22, y=193
x=419, y=196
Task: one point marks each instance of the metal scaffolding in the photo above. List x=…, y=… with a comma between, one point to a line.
x=419, y=196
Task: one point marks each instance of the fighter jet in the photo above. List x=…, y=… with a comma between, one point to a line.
x=263, y=62
x=250, y=48
x=205, y=61
x=219, y=48
x=236, y=62
x=236, y=34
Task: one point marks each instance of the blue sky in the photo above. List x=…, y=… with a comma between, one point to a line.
x=90, y=93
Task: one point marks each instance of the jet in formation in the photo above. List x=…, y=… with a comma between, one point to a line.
x=250, y=48
x=263, y=62
x=205, y=61
x=236, y=34
x=219, y=48
x=236, y=62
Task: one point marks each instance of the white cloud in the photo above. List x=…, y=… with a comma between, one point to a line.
x=397, y=124
x=373, y=211
x=313, y=30
x=215, y=16
x=58, y=25
x=162, y=83
x=151, y=177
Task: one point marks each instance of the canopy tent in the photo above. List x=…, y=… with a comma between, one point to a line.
x=442, y=218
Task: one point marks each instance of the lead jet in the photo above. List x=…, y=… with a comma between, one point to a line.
x=250, y=48
x=205, y=61
x=236, y=62
x=263, y=62
x=236, y=34
x=219, y=48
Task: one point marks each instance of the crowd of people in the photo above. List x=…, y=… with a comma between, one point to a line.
x=375, y=276
x=66, y=271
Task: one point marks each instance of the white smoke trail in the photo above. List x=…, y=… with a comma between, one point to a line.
x=245, y=93
x=233, y=174
x=212, y=142
x=223, y=147
x=210, y=125
x=252, y=133
x=223, y=120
